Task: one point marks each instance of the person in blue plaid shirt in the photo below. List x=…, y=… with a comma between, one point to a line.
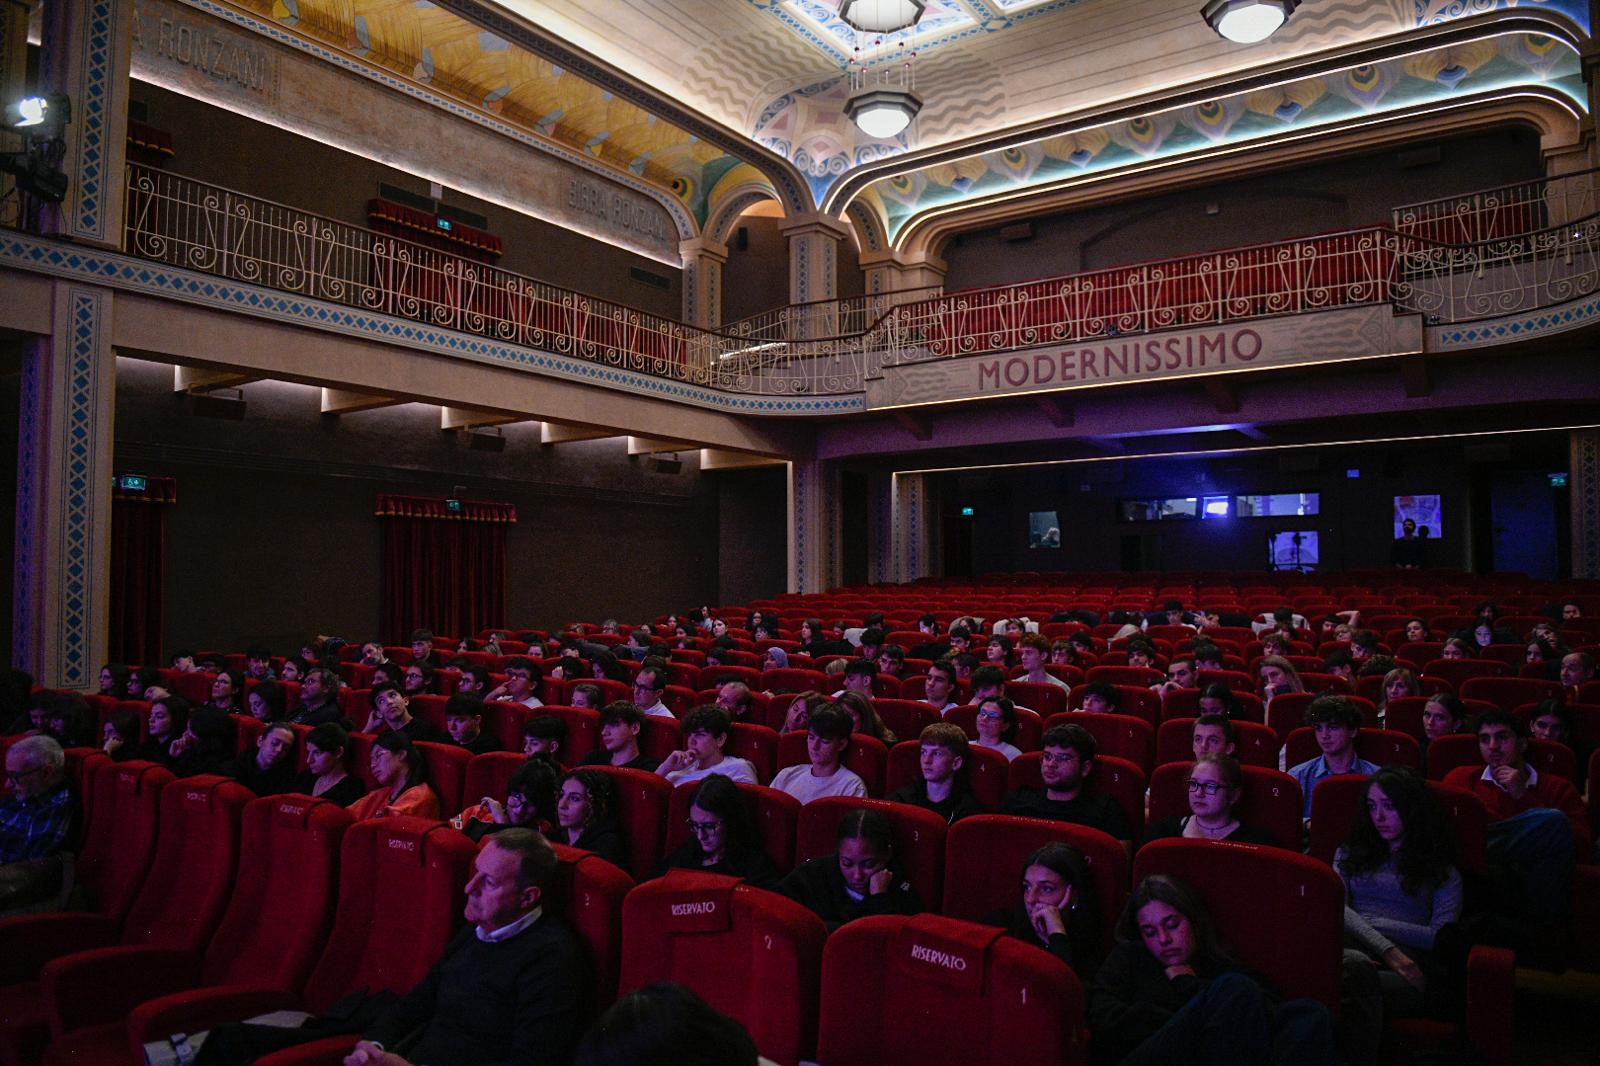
x=35, y=820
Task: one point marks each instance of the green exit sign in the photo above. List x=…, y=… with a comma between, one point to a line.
x=133, y=483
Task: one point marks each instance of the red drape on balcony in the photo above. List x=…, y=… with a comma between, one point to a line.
x=443, y=570
x=136, y=571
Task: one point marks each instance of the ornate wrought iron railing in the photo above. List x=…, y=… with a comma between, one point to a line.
x=1501, y=213
x=203, y=227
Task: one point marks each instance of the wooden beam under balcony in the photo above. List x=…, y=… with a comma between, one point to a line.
x=1222, y=395
x=203, y=379
x=919, y=426
x=467, y=418
x=349, y=401
x=653, y=446
x=1056, y=410
x=722, y=459
x=565, y=433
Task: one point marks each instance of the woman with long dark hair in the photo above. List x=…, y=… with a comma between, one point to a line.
x=1401, y=888
x=1171, y=992
x=858, y=879
x=1058, y=908
x=722, y=839
x=402, y=776
x=585, y=806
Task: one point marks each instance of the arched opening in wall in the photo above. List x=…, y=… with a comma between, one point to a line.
x=756, y=276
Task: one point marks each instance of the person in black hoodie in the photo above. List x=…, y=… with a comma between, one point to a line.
x=943, y=787
x=1170, y=992
x=721, y=838
x=1058, y=909
x=169, y=718
x=857, y=880
x=268, y=769
x=584, y=816
x=205, y=746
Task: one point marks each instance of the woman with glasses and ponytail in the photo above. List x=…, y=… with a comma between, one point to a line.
x=1215, y=785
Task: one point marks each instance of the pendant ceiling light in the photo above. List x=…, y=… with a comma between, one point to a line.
x=883, y=113
x=1247, y=21
x=881, y=16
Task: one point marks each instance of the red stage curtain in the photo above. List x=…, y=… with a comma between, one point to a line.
x=443, y=570
x=136, y=571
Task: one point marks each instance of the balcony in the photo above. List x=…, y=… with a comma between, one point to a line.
x=1495, y=253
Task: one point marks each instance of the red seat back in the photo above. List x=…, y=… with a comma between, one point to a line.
x=659, y=737
x=1255, y=894
x=1337, y=801
x=120, y=840
x=1253, y=743
x=1041, y=697
x=905, y=718
x=283, y=898
x=1461, y=749
x=1459, y=671
x=756, y=743
x=715, y=676
x=773, y=814
x=752, y=955
x=937, y=991
x=192, y=876
x=587, y=892
x=1136, y=700
x=1122, y=735
x=1270, y=799
x=1380, y=746
x=488, y=775
x=1030, y=725
x=918, y=839
x=794, y=680
x=642, y=802
x=447, y=773
x=986, y=772
x=583, y=729
x=1510, y=693
x=1114, y=777
x=401, y=883
x=984, y=856
x=1132, y=676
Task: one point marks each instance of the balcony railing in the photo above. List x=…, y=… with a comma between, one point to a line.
x=202, y=227
x=1503, y=212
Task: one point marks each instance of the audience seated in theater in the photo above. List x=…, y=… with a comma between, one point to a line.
x=864, y=717
x=544, y=734
x=1180, y=674
x=1141, y=654
x=775, y=659
x=1216, y=785
x=67, y=719
x=142, y=681
x=1577, y=669
x=392, y=711
x=508, y=988
x=1100, y=697
x=258, y=663
x=858, y=677
x=474, y=678
x=1458, y=648
x=620, y=723
x=325, y=776
x=1398, y=683
x=666, y=1024
x=37, y=821
x=857, y=880
x=603, y=666
x=827, y=736
x=227, y=692
x=264, y=701
x=734, y=699
x=1033, y=654
x=997, y=653
x=319, y=699
x=169, y=717
x=1285, y=618
x=205, y=745
x=942, y=786
x=797, y=717
x=931, y=648
x=722, y=839
x=1571, y=611
x=530, y=803
x=1218, y=698
x=295, y=668
x=119, y=737
x=422, y=651
x=417, y=680
x=1213, y=734
x=267, y=769
x=402, y=776
x=705, y=734
x=1063, y=653
x=372, y=653
x=1066, y=765
x=1128, y=625
x=1207, y=656
x=1170, y=991
x=1442, y=715
x=1335, y=721
x=114, y=681
x=870, y=639
x=1401, y=889
x=1376, y=666
x=182, y=660
x=997, y=725
x=1551, y=721
x=586, y=805
x=521, y=684
x=463, y=720
x=1363, y=646
x=940, y=686
x=648, y=685
x=892, y=660
x=1341, y=664
x=1538, y=823
x=1058, y=909
x=1278, y=677
x=586, y=694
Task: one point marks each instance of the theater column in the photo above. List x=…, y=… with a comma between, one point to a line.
x=916, y=529
x=84, y=54
x=814, y=526
x=814, y=267
x=63, y=536
x=702, y=281
x=880, y=529
x=13, y=82
x=1585, y=503
x=895, y=272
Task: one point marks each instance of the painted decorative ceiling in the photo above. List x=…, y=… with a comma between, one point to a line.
x=1506, y=62
x=427, y=44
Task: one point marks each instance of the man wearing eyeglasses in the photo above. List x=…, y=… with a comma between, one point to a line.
x=36, y=819
x=1065, y=765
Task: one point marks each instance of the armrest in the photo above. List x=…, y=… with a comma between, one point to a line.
x=202, y=1008
x=32, y=940
x=1491, y=991
x=329, y=1051
x=1586, y=916
x=94, y=987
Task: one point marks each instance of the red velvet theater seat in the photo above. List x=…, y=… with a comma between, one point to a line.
x=1111, y=776
x=642, y=802
x=1271, y=799
x=751, y=954
x=1381, y=746
x=177, y=909
x=986, y=772
x=1125, y=736
x=587, y=893
x=984, y=858
x=447, y=773
x=774, y=815
x=866, y=756
x=937, y=991
x=488, y=774
x=1253, y=743
x=918, y=839
x=275, y=926
x=905, y=718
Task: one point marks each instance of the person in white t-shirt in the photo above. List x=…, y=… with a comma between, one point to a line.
x=705, y=734
x=1033, y=654
x=827, y=736
x=648, y=684
x=997, y=726
x=521, y=684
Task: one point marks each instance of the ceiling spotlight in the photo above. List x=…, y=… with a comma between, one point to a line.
x=1247, y=21
x=39, y=115
x=883, y=113
x=882, y=16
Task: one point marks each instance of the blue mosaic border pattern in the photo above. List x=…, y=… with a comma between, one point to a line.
x=1515, y=327
x=85, y=348
x=32, y=397
x=95, y=92
x=797, y=527
x=687, y=226
x=126, y=272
